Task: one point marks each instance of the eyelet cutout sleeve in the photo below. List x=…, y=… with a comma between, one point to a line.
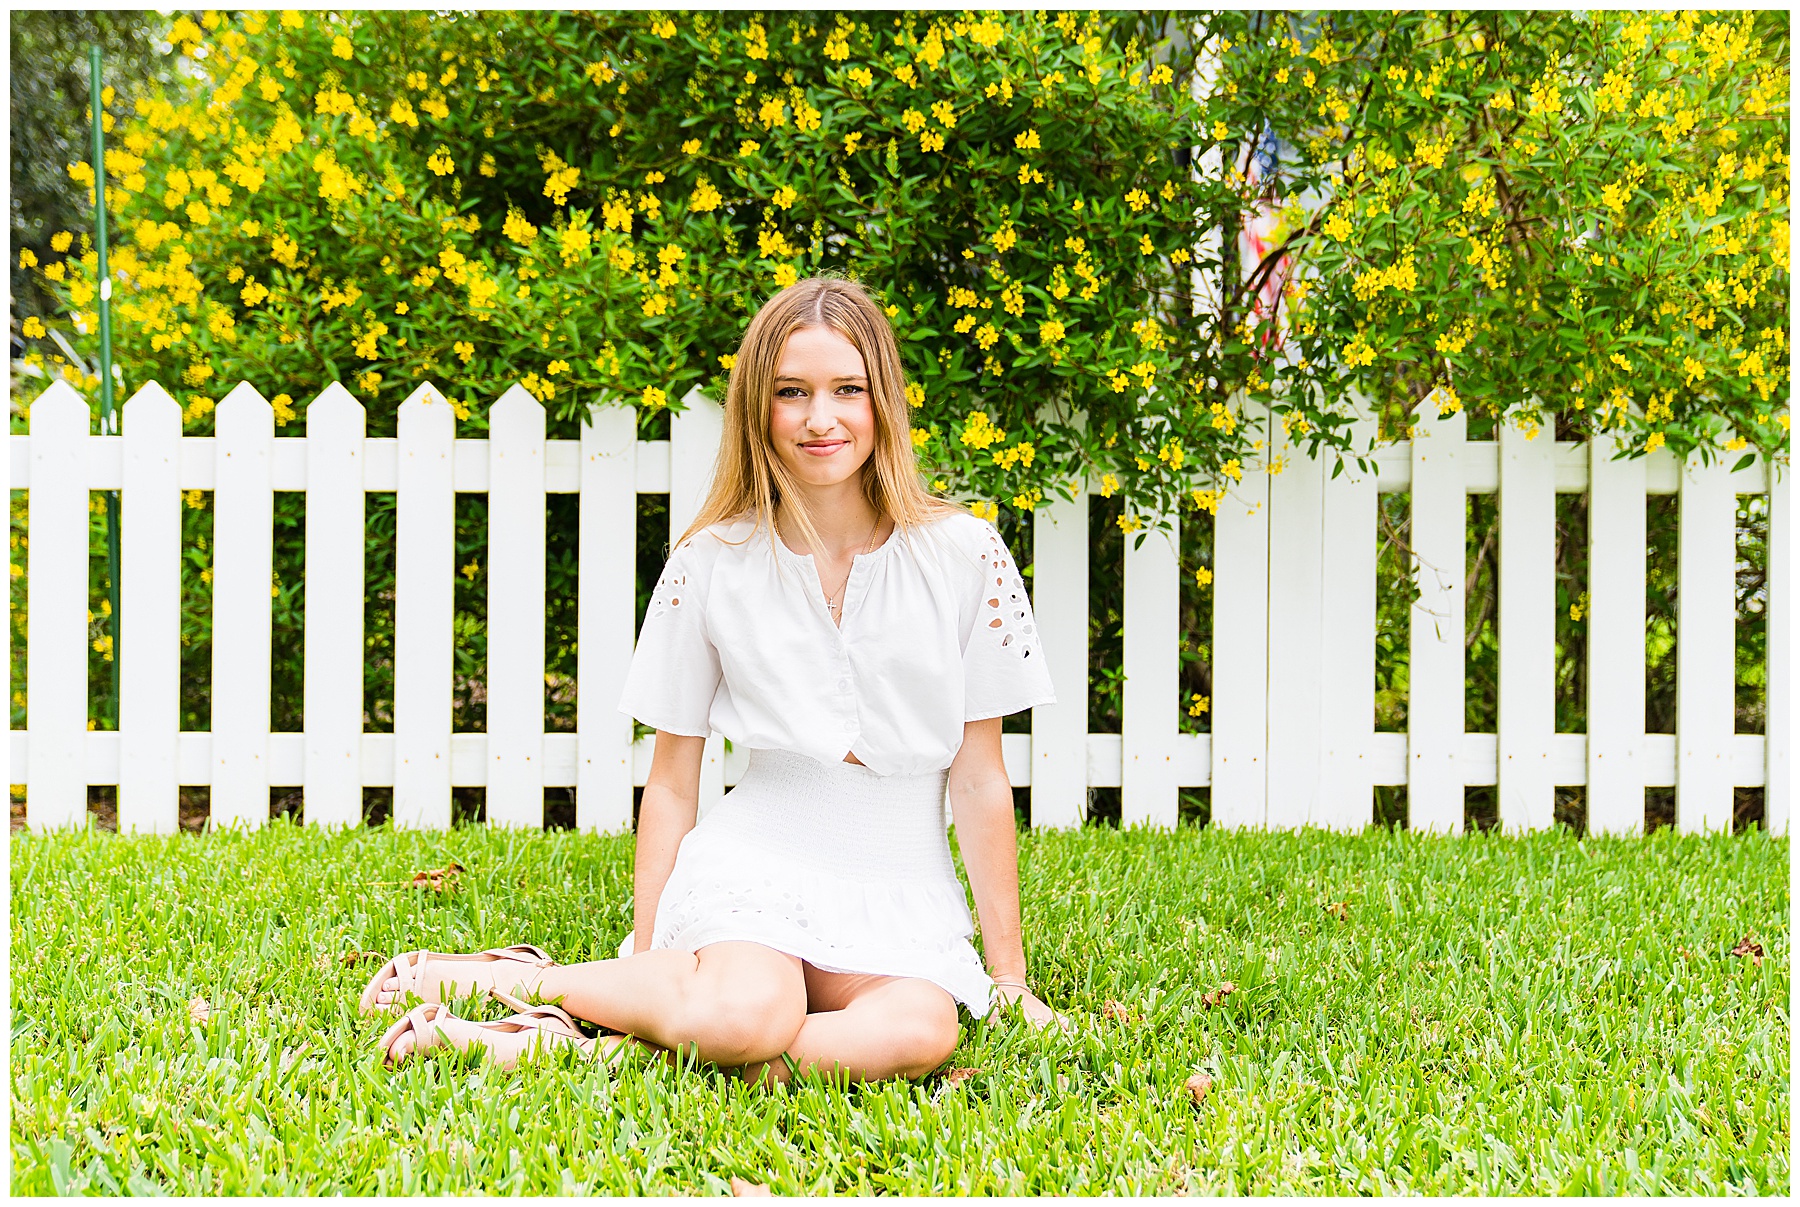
x=1003, y=663
x=675, y=670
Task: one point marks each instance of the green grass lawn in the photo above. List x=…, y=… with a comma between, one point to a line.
x=1488, y=1015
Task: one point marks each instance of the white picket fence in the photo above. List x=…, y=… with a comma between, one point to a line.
x=1293, y=739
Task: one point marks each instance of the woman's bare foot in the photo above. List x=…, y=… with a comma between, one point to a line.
x=507, y=1043
x=448, y=977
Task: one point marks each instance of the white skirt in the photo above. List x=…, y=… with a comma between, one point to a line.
x=844, y=868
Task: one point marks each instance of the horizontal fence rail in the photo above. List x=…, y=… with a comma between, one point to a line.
x=1293, y=739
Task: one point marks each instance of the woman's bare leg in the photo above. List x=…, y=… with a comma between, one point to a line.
x=868, y=1028
x=733, y=1002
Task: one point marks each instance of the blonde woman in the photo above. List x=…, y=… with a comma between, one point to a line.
x=862, y=640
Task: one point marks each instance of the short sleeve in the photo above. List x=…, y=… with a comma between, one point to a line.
x=675, y=669
x=1003, y=664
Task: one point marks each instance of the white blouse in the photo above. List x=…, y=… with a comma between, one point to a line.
x=937, y=630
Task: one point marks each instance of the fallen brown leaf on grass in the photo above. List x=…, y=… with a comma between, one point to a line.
x=291, y=1056
x=198, y=1011
x=959, y=1075
x=1118, y=1012
x=1684, y=953
x=1748, y=946
x=437, y=879
x=326, y=961
x=1198, y=1087
x=1213, y=997
x=1339, y=909
x=749, y=1190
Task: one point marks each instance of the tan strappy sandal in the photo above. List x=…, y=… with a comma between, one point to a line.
x=410, y=969
x=424, y=1023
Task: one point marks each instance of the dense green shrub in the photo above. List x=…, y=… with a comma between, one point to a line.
x=593, y=204
x=1551, y=215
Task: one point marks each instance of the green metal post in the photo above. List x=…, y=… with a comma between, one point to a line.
x=109, y=421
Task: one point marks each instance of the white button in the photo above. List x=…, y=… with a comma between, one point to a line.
x=843, y=685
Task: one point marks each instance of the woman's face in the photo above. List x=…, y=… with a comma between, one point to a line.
x=822, y=419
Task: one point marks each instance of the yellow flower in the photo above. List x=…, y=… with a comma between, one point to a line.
x=1220, y=130
x=1201, y=704
x=440, y=161
x=517, y=228
x=27, y=258
x=654, y=398
x=748, y=147
x=464, y=350
x=1028, y=141
x=556, y=366
x=920, y=437
x=33, y=328
x=785, y=275
x=1108, y=485
x=253, y=292
x=727, y=361
x=575, y=242
x=915, y=394
x=1202, y=577
x=1049, y=331
x=61, y=241
x=981, y=509
x=340, y=46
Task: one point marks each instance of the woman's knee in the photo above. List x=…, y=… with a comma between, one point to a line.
x=925, y=1030
x=742, y=1011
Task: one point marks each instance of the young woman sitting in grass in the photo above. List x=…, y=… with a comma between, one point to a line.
x=862, y=640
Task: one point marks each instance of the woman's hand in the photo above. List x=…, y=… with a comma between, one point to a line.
x=1013, y=997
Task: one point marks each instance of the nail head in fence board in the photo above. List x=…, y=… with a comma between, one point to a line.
x=1059, y=597
x=335, y=528
x=1616, y=768
x=1347, y=711
x=1296, y=616
x=1705, y=647
x=694, y=435
x=1778, y=614
x=150, y=614
x=424, y=604
x=1240, y=598
x=243, y=572
x=607, y=607
x=515, y=662
x=1150, y=694
x=1434, y=710
x=56, y=671
x=1527, y=629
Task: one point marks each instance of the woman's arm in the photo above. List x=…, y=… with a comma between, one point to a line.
x=670, y=804
x=981, y=803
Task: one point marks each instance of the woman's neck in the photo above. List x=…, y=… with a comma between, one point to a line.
x=844, y=520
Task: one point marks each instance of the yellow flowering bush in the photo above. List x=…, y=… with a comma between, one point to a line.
x=471, y=201
x=1591, y=208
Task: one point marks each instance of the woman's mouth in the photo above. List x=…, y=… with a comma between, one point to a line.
x=824, y=448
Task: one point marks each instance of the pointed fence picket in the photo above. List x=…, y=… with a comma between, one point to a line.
x=515, y=630
x=333, y=684
x=1293, y=598
x=1527, y=628
x=149, y=650
x=1617, y=769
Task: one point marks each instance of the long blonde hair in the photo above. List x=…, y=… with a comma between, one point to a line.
x=750, y=477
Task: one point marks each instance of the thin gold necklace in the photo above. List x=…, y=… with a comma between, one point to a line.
x=832, y=602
